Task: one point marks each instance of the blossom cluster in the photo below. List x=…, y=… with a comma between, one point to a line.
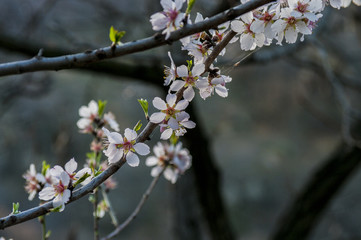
x=283, y=19
x=55, y=183
x=172, y=160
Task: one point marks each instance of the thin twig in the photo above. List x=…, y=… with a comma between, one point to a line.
x=95, y=215
x=83, y=59
x=218, y=49
x=136, y=210
x=340, y=96
x=111, y=210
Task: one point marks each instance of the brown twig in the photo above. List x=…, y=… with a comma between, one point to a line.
x=82, y=59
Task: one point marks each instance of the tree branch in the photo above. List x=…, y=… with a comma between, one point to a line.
x=87, y=57
x=132, y=216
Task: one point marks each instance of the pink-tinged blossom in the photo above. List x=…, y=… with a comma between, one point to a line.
x=175, y=159
x=34, y=182
x=207, y=87
x=306, y=9
x=170, y=72
x=70, y=169
x=59, y=190
x=263, y=22
x=170, y=19
x=183, y=122
x=127, y=147
x=189, y=80
x=249, y=39
x=87, y=114
x=198, y=50
x=289, y=26
x=168, y=110
x=109, y=118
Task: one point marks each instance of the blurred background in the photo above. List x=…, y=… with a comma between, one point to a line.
x=274, y=160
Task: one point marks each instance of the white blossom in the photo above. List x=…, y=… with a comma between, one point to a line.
x=34, y=182
x=168, y=110
x=170, y=18
x=175, y=159
x=87, y=114
x=249, y=39
x=109, y=118
x=182, y=119
x=59, y=190
x=127, y=147
x=170, y=72
x=189, y=80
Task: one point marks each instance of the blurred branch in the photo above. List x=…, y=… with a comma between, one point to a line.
x=38, y=16
x=340, y=95
x=133, y=215
x=40, y=63
x=302, y=216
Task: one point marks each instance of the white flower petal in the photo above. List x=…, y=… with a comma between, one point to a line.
x=181, y=105
x=155, y=171
x=157, y=117
x=182, y=71
x=188, y=94
x=151, y=161
x=130, y=134
x=71, y=166
x=47, y=193
x=166, y=134
x=176, y=85
x=158, y=103
x=142, y=148
x=132, y=159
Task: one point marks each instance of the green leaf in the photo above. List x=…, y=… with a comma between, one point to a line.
x=115, y=35
x=101, y=107
x=173, y=139
x=99, y=171
x=57, y=209
x=190, y=6
x=189, y=65
x=47, y=235
x=137, y=126
x=16, y=208
x=112, y=34
x=144, y=104
x=45, y=168
x=91, y=198
x=82, y=179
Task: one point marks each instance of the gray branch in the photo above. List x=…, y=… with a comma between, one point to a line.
x=39, y=63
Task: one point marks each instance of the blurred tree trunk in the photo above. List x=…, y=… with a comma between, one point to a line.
x=304, y=213
x=206, y=216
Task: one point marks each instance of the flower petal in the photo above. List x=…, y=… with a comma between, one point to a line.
x=142, y=148
x=157, y=117
x=71, y=166
x=132, y=159
x=158, y=103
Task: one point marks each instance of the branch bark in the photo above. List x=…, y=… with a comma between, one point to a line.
x=77, y=60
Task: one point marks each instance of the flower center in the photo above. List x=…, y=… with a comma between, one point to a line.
x=291, y=20
x=172, y=15
x=59, y=188
x=301, y=7
x=267, y=17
